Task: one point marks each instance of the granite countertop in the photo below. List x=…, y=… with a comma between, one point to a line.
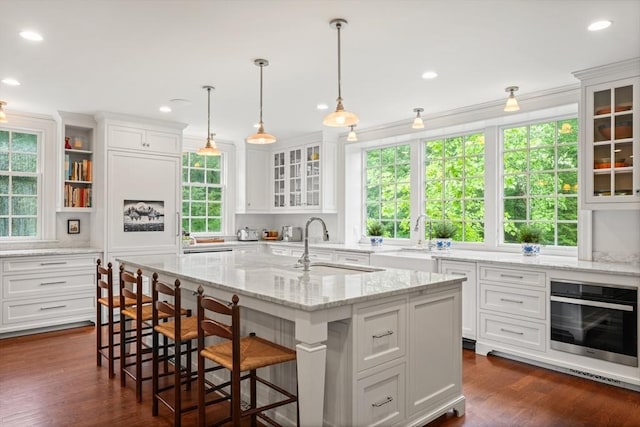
x=274, y=278
x=352, y=247
x=518, y=260
x=47, y=251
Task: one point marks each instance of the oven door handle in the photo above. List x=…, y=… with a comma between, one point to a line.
x=590, y=303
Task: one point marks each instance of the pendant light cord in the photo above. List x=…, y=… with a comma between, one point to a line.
x=338, y=27
x=261, y=67
x=208, y=113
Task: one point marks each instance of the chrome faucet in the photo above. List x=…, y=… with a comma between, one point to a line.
x=304, y=259
x=417, y=227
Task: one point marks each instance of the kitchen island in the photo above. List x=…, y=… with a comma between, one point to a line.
x=374, y=346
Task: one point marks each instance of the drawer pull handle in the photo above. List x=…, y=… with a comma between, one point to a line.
x=457, y=273
x=383, y=334
x=53, y=263
x=389, y=399
x=351, y=259
x=511, y=300
x=53, y=307
x=511, y=332
x=512, y=276
x=61, y=282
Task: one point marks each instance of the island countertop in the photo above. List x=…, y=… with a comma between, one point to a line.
x=275, y=278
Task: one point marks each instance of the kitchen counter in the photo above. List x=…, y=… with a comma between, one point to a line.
x=47, y=251
x=351, y=247
x=311, y=301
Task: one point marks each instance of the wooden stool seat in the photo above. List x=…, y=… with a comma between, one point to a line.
x=188, y=329
x=127, y=301
x=255, y=353
x=147, y=313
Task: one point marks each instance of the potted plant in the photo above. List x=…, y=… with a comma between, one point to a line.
x=443, y=232
x=530, y=237
x=375, y=230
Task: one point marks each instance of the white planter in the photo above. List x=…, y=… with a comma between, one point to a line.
x=443, y=244
x=376, y=240
x=530, y=249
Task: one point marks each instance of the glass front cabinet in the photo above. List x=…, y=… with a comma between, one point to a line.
x=610, y=143
x=296, y=178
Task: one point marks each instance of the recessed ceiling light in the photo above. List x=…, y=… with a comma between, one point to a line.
x=599, y=25
x=429, y=75
x=11, y=82
x=31, y=35
x=322, y=106
x=165, y=109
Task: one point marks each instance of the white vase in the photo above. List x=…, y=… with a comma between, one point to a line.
x=443, y=244
x=530, y=249
x=376, y=240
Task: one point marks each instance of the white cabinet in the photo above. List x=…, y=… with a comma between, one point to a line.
x=141, y=139
x=382, y=400
x=609, y=136
x=142, y=172
x=469, y=293
x=512, y=310
x=303, y=178
x=46, y=291
x=315, y=254
x=76, y=191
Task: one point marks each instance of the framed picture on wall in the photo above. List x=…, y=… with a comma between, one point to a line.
x=143, y=215
x=73, y=226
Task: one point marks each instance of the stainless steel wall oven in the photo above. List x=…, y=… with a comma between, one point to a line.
x=595, y=320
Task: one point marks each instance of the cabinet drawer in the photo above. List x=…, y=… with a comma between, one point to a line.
x=49, y=263
x=522, y=302
x=314, y=255
x=512, y=277
x=380, y=332
x=352, y=258
x=41, y=284
x=513, y=332
x=46, y=309
x=381, y=398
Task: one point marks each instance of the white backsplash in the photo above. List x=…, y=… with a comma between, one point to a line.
x=277, y=221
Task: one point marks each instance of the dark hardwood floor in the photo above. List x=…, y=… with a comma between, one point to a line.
x=52, y=379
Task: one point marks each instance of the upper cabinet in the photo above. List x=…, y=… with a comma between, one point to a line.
x=134, y=138
x=76, y=191
x=609, y=143
x=303, y=178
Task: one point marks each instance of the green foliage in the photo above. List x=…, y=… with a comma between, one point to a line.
x=529, y=234
x=444, y=230
x=375, y=228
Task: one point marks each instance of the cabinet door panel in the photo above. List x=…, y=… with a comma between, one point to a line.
x=125, y=137
x=163, y=142
x=143, y=178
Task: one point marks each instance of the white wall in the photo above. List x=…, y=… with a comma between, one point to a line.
x=616, y=236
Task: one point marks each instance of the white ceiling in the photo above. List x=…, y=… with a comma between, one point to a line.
x=131, y=56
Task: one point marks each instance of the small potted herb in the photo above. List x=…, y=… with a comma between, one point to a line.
x=443, y=232
x=530, y=238
x=375, y=230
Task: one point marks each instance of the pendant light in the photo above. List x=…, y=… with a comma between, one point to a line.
x=210, y=148
x=340, y=117
x=352, y=134
x=3, y=115
x=418, y=123
x=261, y=137
x=512, y=102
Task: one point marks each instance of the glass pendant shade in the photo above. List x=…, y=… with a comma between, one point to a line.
x=512, y=102
x=418, y=123
x=209, y=148
x=340, y=117
x=352, y=134
x=3, y=115
x=261, y=137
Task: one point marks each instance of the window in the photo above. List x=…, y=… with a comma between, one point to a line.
x=388, y=189
x=19, y=184
x=202, y=193
x=540, y=181
x=454, y=184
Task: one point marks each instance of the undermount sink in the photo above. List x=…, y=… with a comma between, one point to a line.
x=329, y=268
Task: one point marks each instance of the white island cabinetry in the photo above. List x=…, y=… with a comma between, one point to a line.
x=469, y=293
x=388, y=339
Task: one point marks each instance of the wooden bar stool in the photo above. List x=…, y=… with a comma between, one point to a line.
x=142, y=315
x=181, y=330
x=246, y=354
x=110, y=301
